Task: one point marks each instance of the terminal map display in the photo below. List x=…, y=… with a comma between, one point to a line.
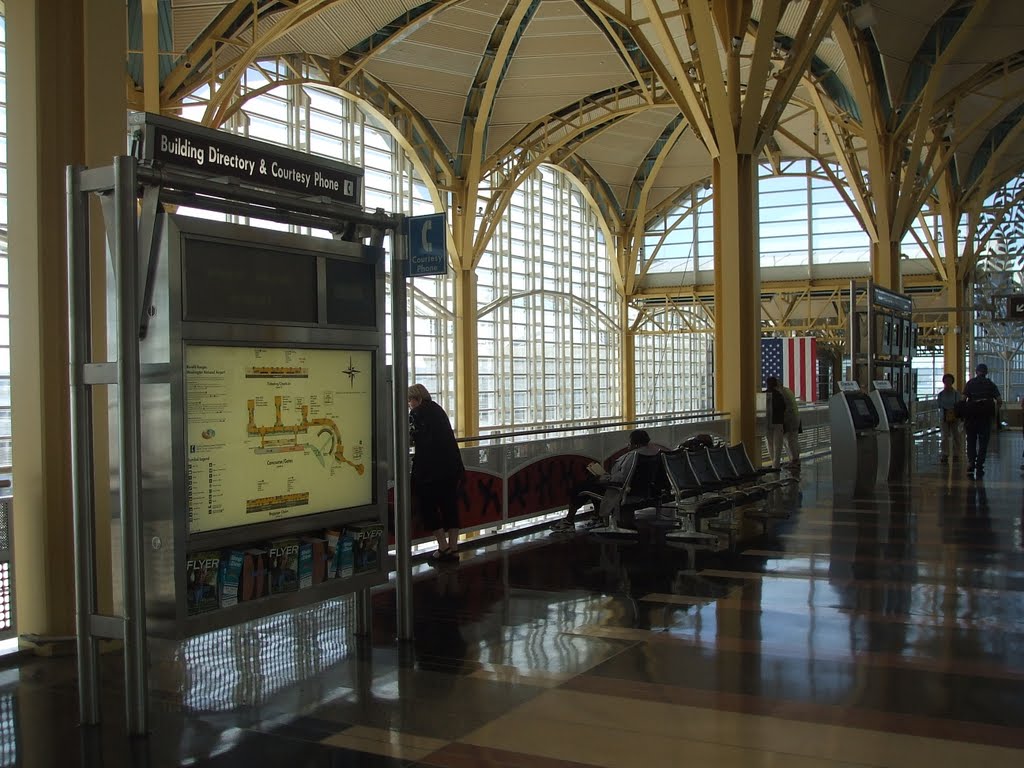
x=276, y=433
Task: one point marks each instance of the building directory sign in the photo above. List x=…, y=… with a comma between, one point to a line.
x=192, y=147
x=276, y=433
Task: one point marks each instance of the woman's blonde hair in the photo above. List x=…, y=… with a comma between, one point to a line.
x=419, y=392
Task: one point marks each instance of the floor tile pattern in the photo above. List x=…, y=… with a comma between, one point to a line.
x=884, y=628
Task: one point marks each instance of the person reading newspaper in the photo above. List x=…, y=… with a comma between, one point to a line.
x=639, y=442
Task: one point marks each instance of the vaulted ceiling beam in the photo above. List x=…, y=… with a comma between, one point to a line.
x=709, y=65
x=847, y=160
x=641, y=186
x=757, y=79
x=505, y=38
x=195, y=63
x=914, y=126
x=928, y=244
x=816, y=21
x=693, y=104
x=622, y=37
x=286, y=21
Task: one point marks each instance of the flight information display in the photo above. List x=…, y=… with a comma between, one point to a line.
x=276, y=433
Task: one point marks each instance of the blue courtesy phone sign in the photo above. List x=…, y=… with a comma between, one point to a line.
x=428, y=245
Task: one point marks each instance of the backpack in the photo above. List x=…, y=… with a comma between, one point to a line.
x=698, y=442
x=975, y=408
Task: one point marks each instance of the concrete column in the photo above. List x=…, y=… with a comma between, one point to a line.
x=737, y=294
x=66, y=96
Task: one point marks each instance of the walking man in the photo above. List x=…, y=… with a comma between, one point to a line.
x=982, y=399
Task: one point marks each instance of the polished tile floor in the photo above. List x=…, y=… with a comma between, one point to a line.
x=883, y=628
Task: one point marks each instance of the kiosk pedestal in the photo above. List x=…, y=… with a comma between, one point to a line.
x=894, y=420
x=860, y=450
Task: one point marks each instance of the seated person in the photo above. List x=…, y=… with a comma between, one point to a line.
x=599, y=481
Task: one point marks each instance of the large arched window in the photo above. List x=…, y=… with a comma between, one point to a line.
x=806, y=228
x=804, y=220
x=674, y=358
x=548, y=315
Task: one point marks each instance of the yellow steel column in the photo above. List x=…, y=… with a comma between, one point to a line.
x=628, y=367
x=953, y=358
x=66, y=96
x=737, y=294
x=45, y=111
x=467, y=384
x=885, y=263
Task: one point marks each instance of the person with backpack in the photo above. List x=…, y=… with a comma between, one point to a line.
x=982, y=399
x=783, y=423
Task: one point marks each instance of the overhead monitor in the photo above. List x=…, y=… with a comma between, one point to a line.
x=276, y=433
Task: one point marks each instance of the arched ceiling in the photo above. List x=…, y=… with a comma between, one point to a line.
x=632, y=82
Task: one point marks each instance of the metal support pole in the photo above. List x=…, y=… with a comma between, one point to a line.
x=364, y=612
x=80, y=353
x=129, y=408
x=400, y=382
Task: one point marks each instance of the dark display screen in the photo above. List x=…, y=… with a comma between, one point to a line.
x=351, y=293
x=240, y=282
x=895, y=410
x=863, y=411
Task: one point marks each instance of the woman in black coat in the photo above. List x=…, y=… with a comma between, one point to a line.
x=437, y=471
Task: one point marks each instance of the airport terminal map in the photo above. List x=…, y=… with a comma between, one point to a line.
x=276, y=432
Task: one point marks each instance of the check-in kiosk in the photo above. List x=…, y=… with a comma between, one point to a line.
x=892, y=409
x=894, y=419
x=860, y=449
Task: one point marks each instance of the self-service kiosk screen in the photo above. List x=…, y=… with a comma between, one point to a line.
x=862, y=411
x=276, y=432
x=895, y=410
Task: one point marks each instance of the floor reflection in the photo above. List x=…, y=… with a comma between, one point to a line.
x=865, y=628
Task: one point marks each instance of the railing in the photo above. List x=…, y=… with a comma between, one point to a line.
x=7, y=623
x=815, y=431
x=925, y=415
x=512, y=477
x=515, y=476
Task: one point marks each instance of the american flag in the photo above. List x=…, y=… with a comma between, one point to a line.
x=794, y=362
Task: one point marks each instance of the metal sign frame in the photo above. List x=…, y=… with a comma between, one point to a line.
x=133, y=251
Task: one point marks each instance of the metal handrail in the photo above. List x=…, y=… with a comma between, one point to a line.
x=602, y=425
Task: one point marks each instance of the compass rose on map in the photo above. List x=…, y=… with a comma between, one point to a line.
x=351, y=372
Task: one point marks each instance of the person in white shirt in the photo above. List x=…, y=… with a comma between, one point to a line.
x=949, y=427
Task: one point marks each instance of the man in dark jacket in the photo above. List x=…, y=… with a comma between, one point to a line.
x=982, y=398
x=437, y=471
